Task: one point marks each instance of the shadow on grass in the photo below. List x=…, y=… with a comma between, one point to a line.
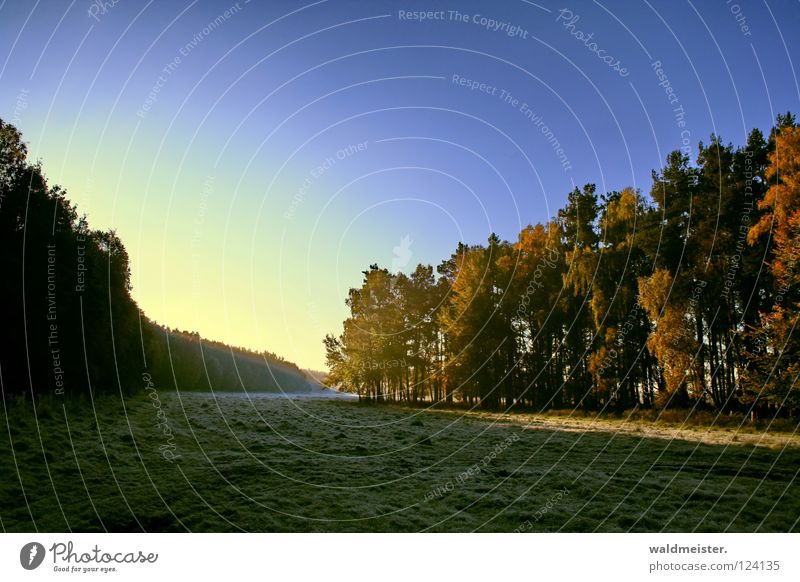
x=329, y=466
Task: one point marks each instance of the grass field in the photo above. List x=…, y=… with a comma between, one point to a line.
x=193, y=462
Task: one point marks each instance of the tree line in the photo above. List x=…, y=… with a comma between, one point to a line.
x=70, y=327
x=688, y=297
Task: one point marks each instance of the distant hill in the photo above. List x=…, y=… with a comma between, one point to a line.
x=199, y=364
x=70, y=325
x=317, y=375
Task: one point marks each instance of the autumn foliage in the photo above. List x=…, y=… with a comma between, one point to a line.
x=685, y=298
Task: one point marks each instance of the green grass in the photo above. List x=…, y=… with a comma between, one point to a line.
x=304, y=465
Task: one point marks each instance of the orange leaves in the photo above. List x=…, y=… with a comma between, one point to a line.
x=781, y=204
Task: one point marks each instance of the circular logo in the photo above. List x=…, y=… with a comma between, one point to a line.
x=31, y=555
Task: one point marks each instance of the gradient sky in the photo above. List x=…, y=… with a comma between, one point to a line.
x=240, y=191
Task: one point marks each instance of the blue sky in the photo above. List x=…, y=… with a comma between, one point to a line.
x=255, y=157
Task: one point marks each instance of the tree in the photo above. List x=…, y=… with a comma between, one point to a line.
x=616, y=302
x=775, y=378
x=621, y=365
x=537, y=313
x=474, y=326
x=578, y=221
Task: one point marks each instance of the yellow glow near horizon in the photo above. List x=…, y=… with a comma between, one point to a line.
x=201, y=258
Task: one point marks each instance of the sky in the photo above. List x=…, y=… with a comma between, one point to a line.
x=256, y=157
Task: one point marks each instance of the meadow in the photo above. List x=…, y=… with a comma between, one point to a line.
x=198, y=462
